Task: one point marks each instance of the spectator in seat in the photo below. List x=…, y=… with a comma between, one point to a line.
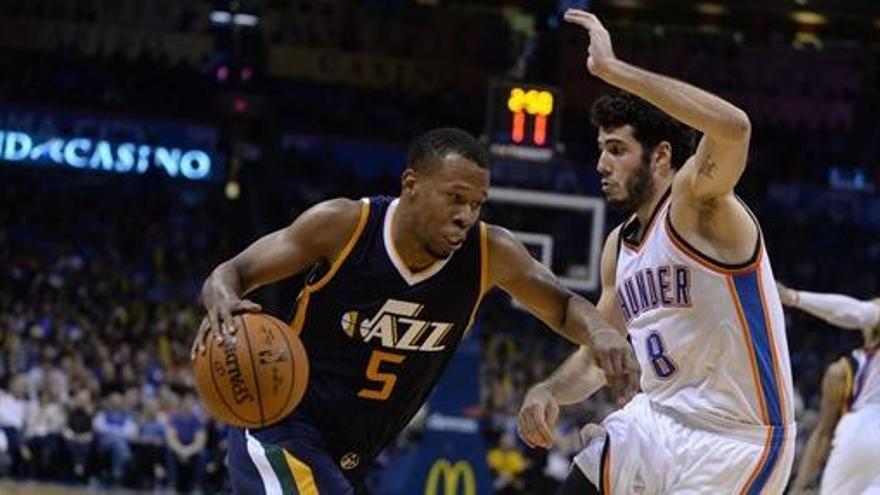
x=115, y=428
x=186, y=436
x=13, y=411
x=78, y=433
x=42, y=435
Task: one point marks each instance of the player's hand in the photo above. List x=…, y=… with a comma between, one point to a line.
x=600, y=56
x=221, y=305
x=614, y=354
x=787, y=296
x=199, y=345
x=536, y=420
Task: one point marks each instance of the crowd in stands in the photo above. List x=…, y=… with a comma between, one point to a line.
x=97, y=304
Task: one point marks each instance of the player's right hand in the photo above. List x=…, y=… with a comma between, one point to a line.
x=536, y=420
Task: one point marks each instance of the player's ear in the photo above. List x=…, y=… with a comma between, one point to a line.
x=662, y=155
x=408, y=182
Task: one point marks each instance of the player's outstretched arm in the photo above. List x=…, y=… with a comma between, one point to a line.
x=837, y=309
x=320, y=233
x=721, y=155
x=515, y=271
x=578, y=377
x=833, y=397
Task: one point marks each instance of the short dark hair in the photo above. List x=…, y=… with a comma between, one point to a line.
x=650, y=124
x=431, y=147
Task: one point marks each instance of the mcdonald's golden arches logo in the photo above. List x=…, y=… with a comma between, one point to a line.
x=456, y=479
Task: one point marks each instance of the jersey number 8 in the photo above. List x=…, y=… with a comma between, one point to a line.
x=663, y=365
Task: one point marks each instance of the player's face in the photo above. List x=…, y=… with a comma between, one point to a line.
x=447, y=200
x=625, y=169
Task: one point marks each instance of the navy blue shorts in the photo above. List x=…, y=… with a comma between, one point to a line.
x=284, y=461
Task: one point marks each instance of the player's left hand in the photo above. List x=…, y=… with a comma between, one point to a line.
x=614, y=354
x=600, y=57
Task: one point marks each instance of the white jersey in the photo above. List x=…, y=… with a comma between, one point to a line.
x=863, y=379
x=710, y=338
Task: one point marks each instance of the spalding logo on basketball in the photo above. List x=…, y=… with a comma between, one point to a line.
x=255, y=377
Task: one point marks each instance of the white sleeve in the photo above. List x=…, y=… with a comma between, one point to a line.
x=840, y=310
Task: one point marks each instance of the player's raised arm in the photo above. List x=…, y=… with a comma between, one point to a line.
x=722, y=152
x=578, y=377
x=318, y=234
x=833, y=399
x=704, y=208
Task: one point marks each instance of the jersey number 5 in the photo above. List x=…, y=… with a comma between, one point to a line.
x=384, y=380
x=663, y=365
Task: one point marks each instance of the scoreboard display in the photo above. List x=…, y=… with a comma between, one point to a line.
x=523, y=120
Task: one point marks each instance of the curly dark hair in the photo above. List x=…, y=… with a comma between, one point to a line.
x=651, y=126
x=428, y=149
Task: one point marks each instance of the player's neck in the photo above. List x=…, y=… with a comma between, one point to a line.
x=647, y=208
x=406, y=246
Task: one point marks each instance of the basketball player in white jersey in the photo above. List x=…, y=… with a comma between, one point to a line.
x=688, y=278
x=850, y=409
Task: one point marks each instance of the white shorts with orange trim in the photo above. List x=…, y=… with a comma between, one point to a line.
x=640, y=450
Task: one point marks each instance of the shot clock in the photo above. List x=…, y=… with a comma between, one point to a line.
x=523, y=120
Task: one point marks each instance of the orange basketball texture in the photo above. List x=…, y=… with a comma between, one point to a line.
x=255, y=378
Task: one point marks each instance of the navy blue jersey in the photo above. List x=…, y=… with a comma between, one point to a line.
x=378, y=336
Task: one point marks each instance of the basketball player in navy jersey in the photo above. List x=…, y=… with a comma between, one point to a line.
x=849, y=414
x=395, y=283
x=687, y=278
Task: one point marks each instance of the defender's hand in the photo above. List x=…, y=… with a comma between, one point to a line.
x=614, y=354
x=536, y=420
x=601, y=53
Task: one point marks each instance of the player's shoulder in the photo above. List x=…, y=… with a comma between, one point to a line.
x=340, y=209
x=499, y=234
x=330, y=224
x=344, y=214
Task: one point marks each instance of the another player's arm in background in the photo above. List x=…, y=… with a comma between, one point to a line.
x=837, y=309
x=703, y=203
x=578, y=377
x=833, y=399
x=319, y=233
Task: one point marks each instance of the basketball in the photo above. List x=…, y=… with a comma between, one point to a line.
x=257, y=376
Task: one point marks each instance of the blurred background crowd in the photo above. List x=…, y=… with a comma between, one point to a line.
x=311, y=99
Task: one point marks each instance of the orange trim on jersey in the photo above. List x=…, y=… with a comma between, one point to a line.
x=765, y=451
x=703, y=261
x=299, y=319
x=783, y=401
x=484, y=271
x=753, y=360
x=358, y=230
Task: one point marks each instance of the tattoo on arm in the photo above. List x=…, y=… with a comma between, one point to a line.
x=707, y=168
